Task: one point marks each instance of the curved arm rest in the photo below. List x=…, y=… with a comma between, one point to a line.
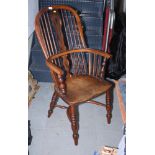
x=54, y=68
x=84, y=50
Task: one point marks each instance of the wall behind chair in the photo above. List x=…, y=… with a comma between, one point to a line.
x=33, y=8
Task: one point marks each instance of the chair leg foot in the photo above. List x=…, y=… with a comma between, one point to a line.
x=50, y=113
x=53, y=103
x=74, y=124
x=108, y=106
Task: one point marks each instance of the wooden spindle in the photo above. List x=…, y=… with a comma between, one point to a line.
x=80, y=45
x=53, y=39
x=45, y=36
x=62, y=85
x=94, y=65
x=102, y=74
x=48, y=35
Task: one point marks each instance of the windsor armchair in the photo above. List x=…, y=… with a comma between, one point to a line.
x=77, y=71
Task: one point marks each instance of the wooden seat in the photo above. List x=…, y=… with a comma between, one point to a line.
x=82, y=88
x=76, y=70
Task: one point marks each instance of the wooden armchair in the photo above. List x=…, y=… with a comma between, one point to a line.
x=77, y=71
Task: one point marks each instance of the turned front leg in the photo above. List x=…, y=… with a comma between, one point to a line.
x=53, y=103
x=108, y=106
x=62, y=85
x=74, y=124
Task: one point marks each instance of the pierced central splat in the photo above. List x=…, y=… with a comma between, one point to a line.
x=57, y=24
x=60, y=30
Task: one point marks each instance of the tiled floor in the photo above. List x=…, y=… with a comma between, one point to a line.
x=53, y=136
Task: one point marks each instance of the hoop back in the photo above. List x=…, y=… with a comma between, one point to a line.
x=58, y=29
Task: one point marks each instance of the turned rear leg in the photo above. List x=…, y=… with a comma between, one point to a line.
x=108, y=106
x=71, y=113
x=53, y=103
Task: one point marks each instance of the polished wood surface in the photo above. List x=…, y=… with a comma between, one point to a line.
x=53, y=103
x=108, y=106
x=83, y=88
x=75, y=69
x=71, y=113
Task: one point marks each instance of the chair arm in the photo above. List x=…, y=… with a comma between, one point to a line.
x=61, y=83
x=83, y=50
x=54, y=67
